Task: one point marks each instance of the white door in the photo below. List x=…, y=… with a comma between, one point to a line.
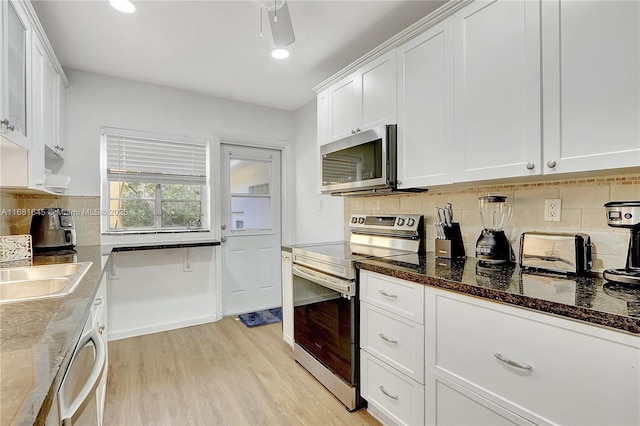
x=250, y=220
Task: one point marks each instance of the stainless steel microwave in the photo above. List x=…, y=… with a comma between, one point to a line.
x=359, y=164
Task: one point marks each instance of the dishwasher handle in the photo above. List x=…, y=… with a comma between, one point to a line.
x=68, y=411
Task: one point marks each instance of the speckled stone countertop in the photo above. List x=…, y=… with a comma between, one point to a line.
x=37, y=339
x=589, y=298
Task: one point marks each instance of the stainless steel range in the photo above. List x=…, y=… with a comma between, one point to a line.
x=325, y=290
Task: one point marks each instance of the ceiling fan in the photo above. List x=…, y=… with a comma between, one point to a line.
x=279, y=19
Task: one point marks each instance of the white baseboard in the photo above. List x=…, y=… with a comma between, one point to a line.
x=156, y=328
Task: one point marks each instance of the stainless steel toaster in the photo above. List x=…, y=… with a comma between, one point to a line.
x=557, y=252
x=53, y=229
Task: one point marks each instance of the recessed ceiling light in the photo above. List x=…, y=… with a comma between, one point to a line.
x=280, y=53
x=124, y=6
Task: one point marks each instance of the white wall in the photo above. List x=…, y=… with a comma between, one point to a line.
x=95, y=100
x=312, y=223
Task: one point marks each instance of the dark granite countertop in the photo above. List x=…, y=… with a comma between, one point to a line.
x=37, y=339
x=160, y=246
x=584, y=298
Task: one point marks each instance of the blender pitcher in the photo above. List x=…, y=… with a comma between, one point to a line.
x=493, y=246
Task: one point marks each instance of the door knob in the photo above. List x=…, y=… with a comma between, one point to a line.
x=223, y=239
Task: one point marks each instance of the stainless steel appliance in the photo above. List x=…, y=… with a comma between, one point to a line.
x=53, y=228
x=493, y=246
x=325, y=294
x=557, y=252
x=363, y=162
x=626, y=214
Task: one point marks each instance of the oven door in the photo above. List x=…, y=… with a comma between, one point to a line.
x=324, y=318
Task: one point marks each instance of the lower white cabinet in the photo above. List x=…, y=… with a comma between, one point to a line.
x=451, y=404
x=543, y=368
x=397, y=397
x=487, y=363
x=287, y=298
x=99, y=317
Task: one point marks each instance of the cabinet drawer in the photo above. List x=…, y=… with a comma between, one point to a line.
x=568, y=373
x=396, y=395
x=394, y=339
x=398, y=296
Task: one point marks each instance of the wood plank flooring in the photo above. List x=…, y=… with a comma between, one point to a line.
x=221, y=373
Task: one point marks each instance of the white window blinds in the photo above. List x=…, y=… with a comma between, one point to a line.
x=137, y=157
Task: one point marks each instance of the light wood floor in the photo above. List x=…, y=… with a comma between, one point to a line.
x=217, y=374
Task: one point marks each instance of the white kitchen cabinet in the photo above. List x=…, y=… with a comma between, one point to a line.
x=287, y=298
x=452, y=404
x=362, y=100
x=561, y=371
x=100, y=323
x=392, y=347
x=425, y=108
x=15, y=87
x=38, y=114
x=591, y=74
x=497, y=90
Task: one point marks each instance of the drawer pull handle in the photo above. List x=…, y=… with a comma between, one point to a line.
x=386, y=339
x=512, y=363
x=387, y=394
x=98, y=301
x=385, y=294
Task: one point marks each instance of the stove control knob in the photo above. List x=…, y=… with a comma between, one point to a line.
x=354, y=220
x=400, y=221
x=628, y=216
x=361, y=220
x=410, y=221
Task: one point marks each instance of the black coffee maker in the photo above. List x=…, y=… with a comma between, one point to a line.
x=626, y=214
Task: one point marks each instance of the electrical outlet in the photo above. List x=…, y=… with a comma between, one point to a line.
x=552, y=209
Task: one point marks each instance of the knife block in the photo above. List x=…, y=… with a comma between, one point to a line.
x=452, y=247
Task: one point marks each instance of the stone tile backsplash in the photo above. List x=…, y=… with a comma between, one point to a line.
x=582, y=211
x=15, y=217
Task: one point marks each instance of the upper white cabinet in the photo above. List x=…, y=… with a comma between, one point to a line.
x=362, y=100
x=498, y=87
x=15, y=60
x=38, y=115
x=425, y=108
x=591, y=75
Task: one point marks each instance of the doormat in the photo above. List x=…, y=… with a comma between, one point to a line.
x=256, y=319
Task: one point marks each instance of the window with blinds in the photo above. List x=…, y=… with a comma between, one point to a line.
x=154, y=182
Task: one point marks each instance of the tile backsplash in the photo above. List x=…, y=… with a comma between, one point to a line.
x=582, y=211
x=15, y=217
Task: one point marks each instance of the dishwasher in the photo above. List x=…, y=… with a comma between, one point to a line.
x=77, y=396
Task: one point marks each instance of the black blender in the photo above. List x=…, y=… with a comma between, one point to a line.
x=626, y=214
x=493, y=246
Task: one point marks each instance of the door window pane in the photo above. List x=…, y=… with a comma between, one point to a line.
x=250, y=188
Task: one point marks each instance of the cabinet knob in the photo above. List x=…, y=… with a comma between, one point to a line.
x=353, y=132
x=6, y=122
x=358, y=130
x=223, y=239
x=551, y=164
x=531, y=166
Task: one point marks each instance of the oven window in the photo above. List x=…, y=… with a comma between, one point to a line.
x=358, y=163
x=323, y=326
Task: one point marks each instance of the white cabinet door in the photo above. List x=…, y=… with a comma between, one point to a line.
x=362, y=100
x=287, y=298
x=497, y=84
x=51, y=105
x=448, y=403
x=344, y=107
x=378, y=98
x=38, y=100
x=322, y=116
x=99, y=316
x=591, y=72
x=425, y=108
x=15, y=56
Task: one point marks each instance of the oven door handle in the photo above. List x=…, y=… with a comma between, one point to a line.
x=341, y=286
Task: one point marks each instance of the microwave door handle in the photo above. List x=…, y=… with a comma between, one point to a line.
x=323, y=280
x=70, y=410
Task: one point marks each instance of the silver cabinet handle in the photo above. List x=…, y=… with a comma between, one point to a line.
x=353, y=132
x=6, y=122
x=101, y=329
x=358, y=130
x=98, y=301
x=512, y=363
x=387, y=394
x=223, y=239
x=531, y=166
x=551, y=164
x=386, y=339
x=385, y=294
